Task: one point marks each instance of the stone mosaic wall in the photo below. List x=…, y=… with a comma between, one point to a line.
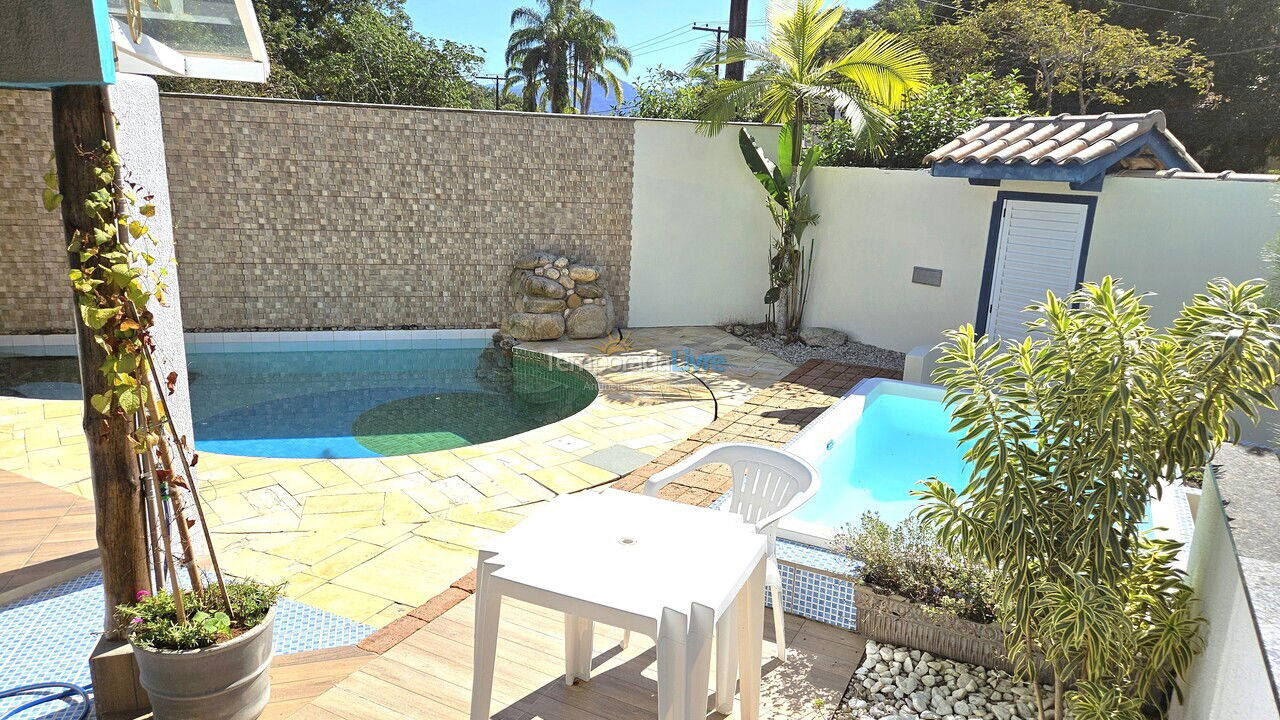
x=312, y=215
x=33, y=258
x=308, y=215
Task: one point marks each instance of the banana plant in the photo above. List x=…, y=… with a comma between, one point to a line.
x=788, y=204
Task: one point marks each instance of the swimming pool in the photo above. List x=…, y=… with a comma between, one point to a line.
x=349, y=399
x=872, y=448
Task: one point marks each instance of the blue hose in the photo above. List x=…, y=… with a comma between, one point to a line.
x=69, y=691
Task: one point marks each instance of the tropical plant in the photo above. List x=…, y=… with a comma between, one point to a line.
x=907, y=559
x=864, y=84
x=562, y=49
x=788, y=204
x=594, y=46
x=1072, y=431
x=929, y=119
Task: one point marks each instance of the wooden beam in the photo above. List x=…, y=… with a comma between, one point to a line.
x=81, y=123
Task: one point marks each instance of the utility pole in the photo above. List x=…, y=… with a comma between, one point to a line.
x=737, y=29
x=719, y=31
x=497, y=102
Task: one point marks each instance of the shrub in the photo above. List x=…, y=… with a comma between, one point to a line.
x=153, y=619
x=928, y=120
x=908, y=560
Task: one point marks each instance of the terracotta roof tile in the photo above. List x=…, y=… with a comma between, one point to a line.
x=1058, y=139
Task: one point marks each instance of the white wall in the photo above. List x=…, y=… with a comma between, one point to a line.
x=1166, y=236
x=699, y=229
x=1229, y=679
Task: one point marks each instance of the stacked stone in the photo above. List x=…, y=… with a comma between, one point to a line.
x=556, y=296
x=896, y=683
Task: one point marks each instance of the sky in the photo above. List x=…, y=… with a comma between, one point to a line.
x=657, y=31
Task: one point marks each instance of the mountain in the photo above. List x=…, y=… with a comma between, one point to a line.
x=601, y=105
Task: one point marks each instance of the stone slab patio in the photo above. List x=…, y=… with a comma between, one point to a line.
x=370, y=539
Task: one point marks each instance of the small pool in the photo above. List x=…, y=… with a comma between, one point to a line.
x=345, y=399
x=872, y=448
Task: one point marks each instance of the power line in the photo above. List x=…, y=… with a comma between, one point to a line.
x=1260, y=48
x=667, y=47
x=1168, y=10
x=656, y=38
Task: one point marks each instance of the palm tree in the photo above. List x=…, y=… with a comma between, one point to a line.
x=540, y=45
x=562, y=49
x=595, y=43
x=864, y=84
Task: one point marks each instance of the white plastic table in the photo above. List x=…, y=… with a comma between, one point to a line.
x=663, y=569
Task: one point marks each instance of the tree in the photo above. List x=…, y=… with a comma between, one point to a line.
x=594, y=46
x=1238, y=125
x=864, y=84
x=539, y=48
x=1077, y=53
x=353, y=51
x=562, y=49
x=929, y=119
x=669, y=94
x=1069, y=433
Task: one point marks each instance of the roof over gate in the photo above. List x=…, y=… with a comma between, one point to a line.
x=1079, y=149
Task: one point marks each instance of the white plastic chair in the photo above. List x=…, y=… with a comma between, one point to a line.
x=768, y=485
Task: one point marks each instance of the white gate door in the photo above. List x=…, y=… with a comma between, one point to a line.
x=1039, y=249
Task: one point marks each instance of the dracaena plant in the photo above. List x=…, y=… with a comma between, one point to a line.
x=788, y=204
x=1072, y=431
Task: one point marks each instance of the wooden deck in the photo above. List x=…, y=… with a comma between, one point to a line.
x=46, y=536
x=428, y=675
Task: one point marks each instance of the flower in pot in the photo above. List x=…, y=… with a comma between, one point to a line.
x=198, y=658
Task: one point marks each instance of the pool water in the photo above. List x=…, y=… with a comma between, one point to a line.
x=897, y=441
x=342, y=400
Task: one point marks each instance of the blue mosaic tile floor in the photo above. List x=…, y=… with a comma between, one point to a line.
x=49, y=635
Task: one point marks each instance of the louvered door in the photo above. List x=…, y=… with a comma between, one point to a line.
x=1039, y=249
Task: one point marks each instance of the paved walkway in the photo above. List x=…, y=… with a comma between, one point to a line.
x=370, y=539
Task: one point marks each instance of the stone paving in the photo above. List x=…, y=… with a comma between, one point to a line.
x=370, y=539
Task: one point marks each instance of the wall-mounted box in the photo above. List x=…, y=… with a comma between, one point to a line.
x=926, y=276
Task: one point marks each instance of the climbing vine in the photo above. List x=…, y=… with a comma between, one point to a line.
x=114, y=285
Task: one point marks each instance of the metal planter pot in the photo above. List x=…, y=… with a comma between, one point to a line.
x=228, y=681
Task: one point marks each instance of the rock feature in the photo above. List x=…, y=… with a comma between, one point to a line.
x=896, y=682
x=588, y=321
x=557, y=296
x=536, y=326
x=822, y=337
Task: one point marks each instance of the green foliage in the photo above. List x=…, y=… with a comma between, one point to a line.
x=153, y=620
x=907, y=559
x=864, y=84
x=668, y=94
x=1078, y=54
x=352, y=51
x=1237, y=126
x=558, y=51
x=1071, y=431
x=928, y=120
x=114, y=284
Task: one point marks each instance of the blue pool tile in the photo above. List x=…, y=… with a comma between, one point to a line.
x=49, y=635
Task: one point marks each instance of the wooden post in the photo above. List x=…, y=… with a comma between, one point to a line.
x=81, y=122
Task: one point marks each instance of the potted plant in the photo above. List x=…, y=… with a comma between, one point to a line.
x=215, y=664
x=202, y=644
x=910, y=591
